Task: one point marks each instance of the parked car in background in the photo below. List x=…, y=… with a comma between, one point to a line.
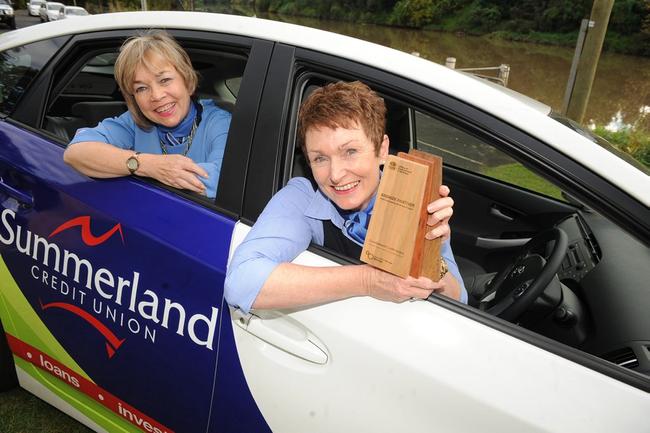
x=7, y=15
x=33, y=7
x=49, y=11
x=72, y=12
x=112, y=291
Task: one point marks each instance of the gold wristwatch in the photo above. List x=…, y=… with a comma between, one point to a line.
x=132, y=163
x=443, y=268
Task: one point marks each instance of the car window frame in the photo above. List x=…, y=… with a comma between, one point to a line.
x=275, y=164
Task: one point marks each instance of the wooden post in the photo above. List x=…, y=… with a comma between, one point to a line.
x=568, y=92
x=504, y=74
x=588, y=62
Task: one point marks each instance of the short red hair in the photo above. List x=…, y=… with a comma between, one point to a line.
x=344, y=105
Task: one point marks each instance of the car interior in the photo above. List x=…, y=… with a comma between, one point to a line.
x=529, y=253
x=92, y=94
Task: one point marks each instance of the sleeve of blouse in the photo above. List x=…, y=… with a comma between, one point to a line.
x=280, y=234
x=448, y=255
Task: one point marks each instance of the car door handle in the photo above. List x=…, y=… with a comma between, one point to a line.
x=495, y=244
x=497, y=212
x=22, y=197
x=286, y=334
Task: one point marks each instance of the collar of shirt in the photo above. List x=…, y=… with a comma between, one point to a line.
x=321, y=208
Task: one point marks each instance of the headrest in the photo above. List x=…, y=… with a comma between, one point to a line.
x=95, y=112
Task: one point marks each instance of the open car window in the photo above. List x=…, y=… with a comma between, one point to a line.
x=86, y=93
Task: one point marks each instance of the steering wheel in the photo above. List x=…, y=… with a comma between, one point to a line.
x=517, y=286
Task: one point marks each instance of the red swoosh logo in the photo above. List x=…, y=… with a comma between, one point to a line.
x=112, y=342
x=86, y=235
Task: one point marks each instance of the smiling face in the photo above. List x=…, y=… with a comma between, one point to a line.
x=345, y=164
x=160, y=91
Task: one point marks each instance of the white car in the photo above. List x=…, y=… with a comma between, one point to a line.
x=33, y=7
x=72, y=12
x=111, y=290
x=7, y=15
x=49, y=11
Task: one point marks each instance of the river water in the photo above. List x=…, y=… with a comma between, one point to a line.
x=621, y=88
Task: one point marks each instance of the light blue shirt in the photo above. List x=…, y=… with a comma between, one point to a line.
x=289, y=223
x=206, y=150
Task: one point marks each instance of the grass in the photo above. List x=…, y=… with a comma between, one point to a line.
x=517, y=174
x=21, y=412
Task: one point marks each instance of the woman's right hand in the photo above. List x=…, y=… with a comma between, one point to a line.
x=388, y=287
x=177, y=171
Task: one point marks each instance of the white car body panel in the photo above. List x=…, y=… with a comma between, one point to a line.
x=416, y=381
x=498, y=103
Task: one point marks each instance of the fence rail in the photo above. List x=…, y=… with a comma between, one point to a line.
x=501, y=77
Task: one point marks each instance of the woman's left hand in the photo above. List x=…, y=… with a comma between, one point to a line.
x=439, y=213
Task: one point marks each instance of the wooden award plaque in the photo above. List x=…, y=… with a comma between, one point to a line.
x=396, y=241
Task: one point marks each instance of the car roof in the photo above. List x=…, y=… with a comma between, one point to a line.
x=500, y=103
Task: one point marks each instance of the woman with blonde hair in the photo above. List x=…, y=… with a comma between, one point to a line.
x=165, y=134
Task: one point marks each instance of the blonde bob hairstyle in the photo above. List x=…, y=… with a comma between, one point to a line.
x=136, y=52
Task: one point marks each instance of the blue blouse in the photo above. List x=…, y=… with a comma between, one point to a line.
x=289, y=223
x=207, y=147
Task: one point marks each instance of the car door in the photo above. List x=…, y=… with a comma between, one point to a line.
x=367, y=365
x=112, y=294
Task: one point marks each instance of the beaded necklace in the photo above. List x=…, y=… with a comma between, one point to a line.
x=188, y=140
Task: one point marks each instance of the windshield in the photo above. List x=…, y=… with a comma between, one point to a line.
x=53, y=6
x=5, y=2
x=600, y=141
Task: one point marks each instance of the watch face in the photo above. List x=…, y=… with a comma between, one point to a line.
x=132, y=164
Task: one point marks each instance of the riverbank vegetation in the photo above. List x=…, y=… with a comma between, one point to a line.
x=542, y=21
x=554, y=22
x=632, y=137
x=634, y=141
